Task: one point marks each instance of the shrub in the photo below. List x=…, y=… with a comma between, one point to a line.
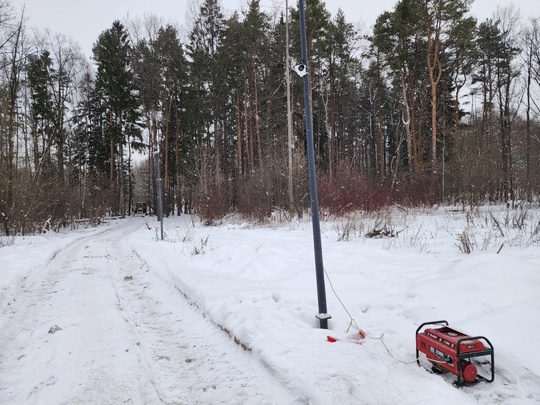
x=345, y=193
x=211, y=206
x=256, y=196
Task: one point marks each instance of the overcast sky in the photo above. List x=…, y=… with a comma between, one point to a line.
x=84, y=20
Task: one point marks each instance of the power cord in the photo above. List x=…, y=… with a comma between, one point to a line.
x=353, y=321
x=362, y=334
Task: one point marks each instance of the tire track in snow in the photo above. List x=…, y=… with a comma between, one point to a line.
x=81, y=361
x=179, y=344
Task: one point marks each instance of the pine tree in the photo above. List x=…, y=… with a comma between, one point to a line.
x=205, y=40
x=41, y=110
x=176, y=144
x=337, y=91
x=439, y=17
x=506, y=75
x=318, y=21
x=115, y=87
x=396, y=47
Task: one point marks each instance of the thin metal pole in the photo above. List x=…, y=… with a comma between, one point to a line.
x=323, y=316
x=159, y=191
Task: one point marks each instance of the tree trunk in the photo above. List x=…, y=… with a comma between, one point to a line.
x=435, y=72
x=178, y=193
x=379, y=135
x=60, y=128
x=239, y=135
x=528, y=115
x=166, y=185
x=9, y=204
x=121, y=183
x=257, y=125
x=111, y=153
x=325, y=95
x=249, y=145
x=406, y=119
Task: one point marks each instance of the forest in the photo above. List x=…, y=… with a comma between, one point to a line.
x=431, y=106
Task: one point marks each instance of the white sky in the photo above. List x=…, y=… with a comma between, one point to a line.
x=84, y=20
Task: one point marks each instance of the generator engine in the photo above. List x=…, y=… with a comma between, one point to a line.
x=449, y=350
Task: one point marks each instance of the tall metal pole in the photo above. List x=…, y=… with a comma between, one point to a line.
x=323, y=316
x=289, y=115
x=159, y=186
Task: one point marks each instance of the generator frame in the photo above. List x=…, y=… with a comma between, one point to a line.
x=462, y=357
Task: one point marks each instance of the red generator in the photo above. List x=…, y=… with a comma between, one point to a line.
x=449, y=350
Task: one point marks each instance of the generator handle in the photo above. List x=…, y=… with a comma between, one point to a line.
x=430, y=323
x=466, y=339
x=418, y=330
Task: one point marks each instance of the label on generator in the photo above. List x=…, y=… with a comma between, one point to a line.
x=441, y=355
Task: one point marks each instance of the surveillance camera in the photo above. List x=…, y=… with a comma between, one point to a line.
x=301, y=70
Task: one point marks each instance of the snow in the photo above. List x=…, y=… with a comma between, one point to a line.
x=226, y=314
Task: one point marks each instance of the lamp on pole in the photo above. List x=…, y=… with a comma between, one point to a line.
x=303, y=71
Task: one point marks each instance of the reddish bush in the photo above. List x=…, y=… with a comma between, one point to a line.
x=345, y=193
x=255, y=197
x=213, y=205
x=377, y=199
x=421, y=190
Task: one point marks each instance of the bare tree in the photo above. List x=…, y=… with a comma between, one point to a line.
x=508, y=92
x=12, y=61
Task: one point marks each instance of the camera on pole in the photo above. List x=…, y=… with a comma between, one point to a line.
x=301, y=70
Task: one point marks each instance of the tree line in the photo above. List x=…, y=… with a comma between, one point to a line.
x=431, y=106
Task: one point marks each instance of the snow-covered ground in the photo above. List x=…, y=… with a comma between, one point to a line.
x=226, y=314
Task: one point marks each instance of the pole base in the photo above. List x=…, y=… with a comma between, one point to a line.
x=323, y=318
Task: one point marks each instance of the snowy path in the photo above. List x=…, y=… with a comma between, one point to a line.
x=124, y=336
x=127, y=334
